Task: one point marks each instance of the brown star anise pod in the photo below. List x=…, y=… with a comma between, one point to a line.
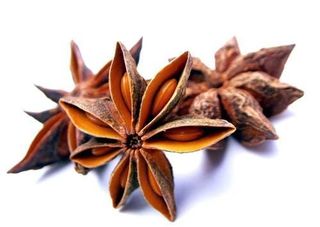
x=243, y=88
x=135, y=124
x=58, y=136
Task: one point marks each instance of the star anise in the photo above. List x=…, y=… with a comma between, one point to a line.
x=58, y=136
x=135, y=123
x=243, y=88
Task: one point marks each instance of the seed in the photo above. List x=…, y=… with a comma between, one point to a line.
x=95, y=120
x=164, y=94
x=124, y=176
x=100, y=150
x=153, y=183
x=125, y=89
x=187, y=133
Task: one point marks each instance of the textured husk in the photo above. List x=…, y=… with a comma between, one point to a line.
x=226, y=54
x=246, y=114
x=269, y=60
x=181, y=67
x=118, y=194
x=95, y=143
x=193, y=89
x=75, y=137
x=273, y=96
x=52, y=94
x=207, y=104
x=156, y=162
x=202, y=73
x=123, y=62
x=102, y=108
x=43, y=116
x=86, y=148
x=102, y=76
x=49, y=146
x=50, y=150
x=215, y=131
x=80, y=72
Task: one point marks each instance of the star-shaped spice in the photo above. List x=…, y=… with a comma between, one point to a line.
x=243, y=88
x=135, y=123
x=58, y=136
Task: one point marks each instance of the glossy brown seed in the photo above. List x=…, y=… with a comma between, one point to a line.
x=100, y=150
x=154, y=183
x=184, y=133
x=164, y=95
x=95, y=120
x=125, y=90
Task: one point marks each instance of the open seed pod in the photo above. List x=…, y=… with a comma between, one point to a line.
x=187, y=134
x=59, y=137
x=94, y=153
x=126, y=87
x=135, y=124
x=97, y=117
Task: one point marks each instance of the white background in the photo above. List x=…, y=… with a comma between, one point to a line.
x=276, y=184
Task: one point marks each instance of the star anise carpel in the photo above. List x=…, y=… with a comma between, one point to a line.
x=136, y=123
x=244, y=89
x=58, y=135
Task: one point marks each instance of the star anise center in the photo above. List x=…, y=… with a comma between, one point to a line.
x=134, y=141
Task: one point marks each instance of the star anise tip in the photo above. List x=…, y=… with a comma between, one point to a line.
x=30, y=113
x=17, y=168
x=140, y=40
x=73, y=43
x=12, y=170
x=52, y=94
x=291, y=46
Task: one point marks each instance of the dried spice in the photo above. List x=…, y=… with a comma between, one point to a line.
x=118, y=113
x=243, y=88
x=58, y=136
x=136, y=124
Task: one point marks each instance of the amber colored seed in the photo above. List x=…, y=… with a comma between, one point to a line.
x=124, y=176
x=125, y=90
x=184, y=133
x=95, y=120
x=100, y=150
x=164, y=94
x=153, y=183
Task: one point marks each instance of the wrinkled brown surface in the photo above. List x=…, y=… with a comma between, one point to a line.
x=246, y=114
x=193, y=89
x=273, y=96
x=207, y=104
x=249, y=90
x=225, y=55
x=269, y=60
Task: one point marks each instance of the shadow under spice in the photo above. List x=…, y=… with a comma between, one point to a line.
x=190, y=187
x=136, y=202
x=266, y=149
x=54, y=169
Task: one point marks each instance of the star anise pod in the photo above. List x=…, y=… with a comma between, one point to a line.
x=58, y=136
x=135, y=123
x=243, y=88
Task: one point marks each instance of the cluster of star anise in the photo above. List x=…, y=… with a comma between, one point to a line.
x=117, y=113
